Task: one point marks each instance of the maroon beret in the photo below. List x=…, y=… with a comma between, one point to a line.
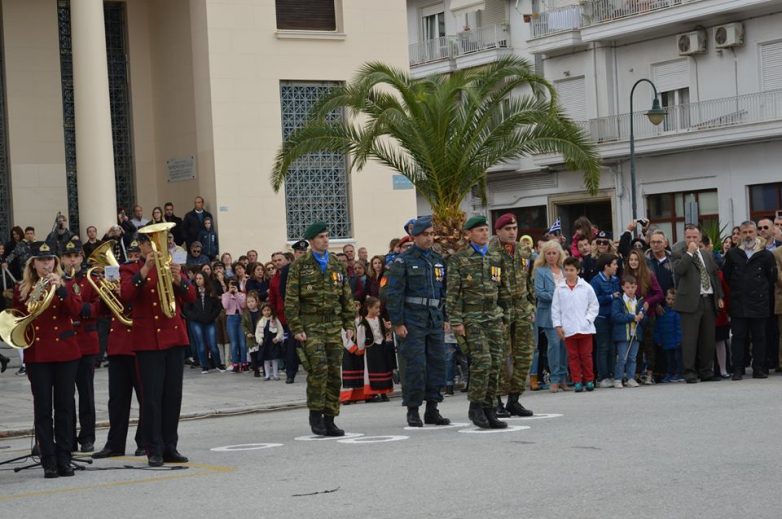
x=502, y=221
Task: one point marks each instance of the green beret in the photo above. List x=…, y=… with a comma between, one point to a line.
x=314, y=229
x=475, y=221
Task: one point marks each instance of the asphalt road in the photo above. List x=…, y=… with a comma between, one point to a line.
x=669, y=451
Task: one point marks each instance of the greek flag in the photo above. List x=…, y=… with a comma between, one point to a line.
x=556, y=227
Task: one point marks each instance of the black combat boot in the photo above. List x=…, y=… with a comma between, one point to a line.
x=331, y=428
x=515, y=408
x=494, y=422
x=500, y=410
x=316, y=423
x=413, y=418
x=432, y=416
x=478, y=416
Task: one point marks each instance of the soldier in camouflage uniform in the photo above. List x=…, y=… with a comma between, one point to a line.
x=415, y=297
x=478, y=305
x=518, y=341
x=318, y=305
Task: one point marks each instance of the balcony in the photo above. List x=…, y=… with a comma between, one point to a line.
x=463, y=50
x=556, y=29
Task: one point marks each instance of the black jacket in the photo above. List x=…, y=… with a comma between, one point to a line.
x=178, y=230
x=205, y=312
x=751, y=281
x=192, y=225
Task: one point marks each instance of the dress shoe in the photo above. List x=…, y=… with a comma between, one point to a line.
x=691, y=380
x=140, y=452
x=413, y=417
x=87, y=447
x=154, y=460
x=713, y=378
x=477, y=415
x=331, y=427
x=494, y=422
x=384, y=397
x=50, y=472
x=64, y=470
x=432, y=415
x=316, y=423
x=759, y=374
x=175, y=457
x=289, y=380
x=515, y=408
x=4, y=363
x=500, y=410
x=737, y=376
x=449, y=390
x=105, y=452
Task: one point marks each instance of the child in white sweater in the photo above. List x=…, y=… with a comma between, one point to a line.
x=269, y=333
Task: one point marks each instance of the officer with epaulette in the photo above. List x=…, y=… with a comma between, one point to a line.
x=87, y=337
x=415, y=299
x=318, y=306
x=518, y=339
x=478, y=306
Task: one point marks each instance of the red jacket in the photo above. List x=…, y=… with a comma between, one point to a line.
x=55, y=339
x=276, y=300
x=120, y=339
x=152, y=330
x=86, y=325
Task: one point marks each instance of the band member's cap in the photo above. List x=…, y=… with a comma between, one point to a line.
x=41, y=249
x=73, y=247
x=133, y=247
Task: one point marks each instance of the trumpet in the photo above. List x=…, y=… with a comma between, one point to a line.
x=15, y=329
x=101, y=258
x=158, y=236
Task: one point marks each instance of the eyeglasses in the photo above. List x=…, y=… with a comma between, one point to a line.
x=602, y=242
x=764, y=227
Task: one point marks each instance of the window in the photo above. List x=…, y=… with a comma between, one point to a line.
x=433, y=26
x=667, y=211
x=306, y=15
x=531, y=220
x=764, y=200
x=572, y=97
x=771, y=66
x=677, y=104
x=317, y=186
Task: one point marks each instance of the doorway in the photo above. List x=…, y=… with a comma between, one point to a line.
x=599, y=213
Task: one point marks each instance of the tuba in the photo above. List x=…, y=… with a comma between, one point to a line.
x=101, y=258
x=158, y=236
x=15, y=329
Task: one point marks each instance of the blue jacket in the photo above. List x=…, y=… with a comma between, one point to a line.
x=623, y=320
x=417, y=274
x=605, y=290
x=209, y=246
x=668, y=329
x=544, y=294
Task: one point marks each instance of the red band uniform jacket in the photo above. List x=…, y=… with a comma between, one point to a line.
x=85, y=325
x=152, y=330
x=55, y=339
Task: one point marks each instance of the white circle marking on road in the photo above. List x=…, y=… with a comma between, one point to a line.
x=316, y=438
x=534, y=417
x=246, y=447
x=436, y=427
x=510, y=428
x=373, y=439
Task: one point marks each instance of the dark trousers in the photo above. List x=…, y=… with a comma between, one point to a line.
x=422, y=356
x=756, y=328
x=85, y=385
x=104, y=326
x=160, y=378
x=123, y=381
x=53, y=385
x=698, y=340
x=772, y=343
x=291, y=358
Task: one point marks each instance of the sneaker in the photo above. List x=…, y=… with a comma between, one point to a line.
x=578, y=387
x=606, y=383
x=220, y=368
x=275, y=378
x=677, y=378
x=590, y=386
x=205, y=372
x=21, y=371
x=618, y=384
x=631, y=383
x=666, y=379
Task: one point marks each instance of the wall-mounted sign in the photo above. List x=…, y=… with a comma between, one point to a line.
x=181, y=168
x=402, y=182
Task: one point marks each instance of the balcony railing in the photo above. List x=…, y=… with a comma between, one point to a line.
x=463, y=43
x=716, y=113
x=600, y=11
x=555, y=21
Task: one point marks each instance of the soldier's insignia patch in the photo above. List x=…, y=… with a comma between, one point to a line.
x=496, y=273
x=438, y=272
x=469, y=277
x=76, y=289
x=383, y=281
x=309, y=288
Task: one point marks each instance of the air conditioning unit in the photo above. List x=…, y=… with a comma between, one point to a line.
x=690, y=43
x=729, y=35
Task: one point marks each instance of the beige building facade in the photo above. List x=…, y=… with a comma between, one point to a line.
x=207, y=89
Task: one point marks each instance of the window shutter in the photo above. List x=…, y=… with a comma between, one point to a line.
x=671, y=75
x=572, y=97
x=306, y=15
x=771, y=66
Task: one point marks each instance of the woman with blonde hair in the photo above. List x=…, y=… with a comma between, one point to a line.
x=547, y=271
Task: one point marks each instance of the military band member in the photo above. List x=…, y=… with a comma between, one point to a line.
x=52, y=360
x=478, y=304
x=123, y=381
x=318, y=306
x=159, y=344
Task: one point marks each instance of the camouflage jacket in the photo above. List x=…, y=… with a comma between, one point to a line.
x=415, y=276
x=478, y=287
x=518, y=270
x=313, y=296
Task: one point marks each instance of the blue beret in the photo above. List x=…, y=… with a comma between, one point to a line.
x=421, y=225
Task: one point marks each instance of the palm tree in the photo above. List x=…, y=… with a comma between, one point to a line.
x=442, y=132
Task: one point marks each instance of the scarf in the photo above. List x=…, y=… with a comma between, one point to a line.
x=480, y=249
x=322, y=259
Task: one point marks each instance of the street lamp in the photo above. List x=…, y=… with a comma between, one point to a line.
x=656, y=115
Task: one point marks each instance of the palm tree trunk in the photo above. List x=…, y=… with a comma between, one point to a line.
x=448, y=224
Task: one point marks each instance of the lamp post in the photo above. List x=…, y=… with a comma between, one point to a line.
x=656, y=115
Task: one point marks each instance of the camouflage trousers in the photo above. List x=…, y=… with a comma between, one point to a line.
x=323, y=352
x=485, y=344
x=517, y=358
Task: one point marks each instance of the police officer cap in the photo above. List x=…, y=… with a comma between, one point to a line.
x=605, y=235
x=133, y=247
x=41, y=249
x=314, y=229
x=502, y=221
x=300, y=245
x=475, y=221
x=72, y=247
x=421, y=225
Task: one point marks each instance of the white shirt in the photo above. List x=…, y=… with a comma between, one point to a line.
x=575, y=309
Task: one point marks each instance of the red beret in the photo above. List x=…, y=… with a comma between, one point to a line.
x=405, y=239
x=502, y=221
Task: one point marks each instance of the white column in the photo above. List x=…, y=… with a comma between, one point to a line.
x=94, y=150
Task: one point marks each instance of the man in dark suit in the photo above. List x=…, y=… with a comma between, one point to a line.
x=698, y=296
x=178, y=230
x=193, y=222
